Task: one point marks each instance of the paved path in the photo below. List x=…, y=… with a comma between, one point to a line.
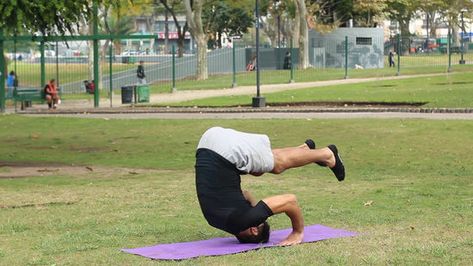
x=180, y=96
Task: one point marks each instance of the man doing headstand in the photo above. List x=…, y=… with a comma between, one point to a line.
x=224, y=154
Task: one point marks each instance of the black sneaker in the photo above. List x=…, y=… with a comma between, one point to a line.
x=339, y=168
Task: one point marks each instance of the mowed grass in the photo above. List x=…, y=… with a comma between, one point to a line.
x=410, y=65
x=449, y=90
x=408, y=191
x=29, y=75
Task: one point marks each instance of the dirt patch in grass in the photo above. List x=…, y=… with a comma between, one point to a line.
x=33, y=169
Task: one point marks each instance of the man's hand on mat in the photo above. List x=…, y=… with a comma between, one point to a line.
x=292, y=239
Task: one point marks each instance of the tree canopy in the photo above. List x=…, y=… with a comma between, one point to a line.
x=52, y=16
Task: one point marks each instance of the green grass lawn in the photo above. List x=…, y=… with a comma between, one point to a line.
x=30, y=74
x=416, y=173
x=425, y=65
x=450, y=90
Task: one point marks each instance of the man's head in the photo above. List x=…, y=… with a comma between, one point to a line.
x=257, y=234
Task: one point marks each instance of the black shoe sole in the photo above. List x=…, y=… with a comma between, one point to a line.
x=339, y=169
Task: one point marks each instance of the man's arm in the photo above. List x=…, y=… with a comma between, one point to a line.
x=288, y=204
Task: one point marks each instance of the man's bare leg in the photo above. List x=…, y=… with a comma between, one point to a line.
x=287, y=158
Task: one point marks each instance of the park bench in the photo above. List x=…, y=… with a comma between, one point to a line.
x=27, y=95
x=453, y=50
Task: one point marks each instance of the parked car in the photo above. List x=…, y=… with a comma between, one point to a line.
x=131, y=52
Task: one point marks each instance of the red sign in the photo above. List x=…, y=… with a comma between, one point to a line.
x=173, y=35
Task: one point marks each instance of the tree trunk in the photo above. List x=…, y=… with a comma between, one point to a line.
x=202, y=68
x=405, y=35
x=432, y=25
x=166, y=32
x=180, y=47
x=194, y=20
x=455, y=39
x=91, y=60
x=303, y=35
x=150, y=25
x=270, y=27
x=296, y=30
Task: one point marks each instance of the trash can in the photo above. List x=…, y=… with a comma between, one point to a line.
x=127, y=94
x=143, y=93
x=125, y=59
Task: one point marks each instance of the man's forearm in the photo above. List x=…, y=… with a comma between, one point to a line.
x=297, y=220
x=287, y=204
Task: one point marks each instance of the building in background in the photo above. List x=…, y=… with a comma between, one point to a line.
x=158, y=45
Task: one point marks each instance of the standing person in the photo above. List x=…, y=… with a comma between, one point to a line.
x=11, y=82
x=51, y=94
x=391, y=59
x=287, y=61
x=140, y=73
x=224, y=154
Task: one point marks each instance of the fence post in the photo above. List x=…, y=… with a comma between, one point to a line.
x=42, y=64
x=96, y=55
x=173, y=89
x=57, y=65
x=14, y=59
x=398, y=55
x=346, y=57
x=110, y=71
x=449, y=51
x=291, y=80
x=234, y=84
x=2, y=74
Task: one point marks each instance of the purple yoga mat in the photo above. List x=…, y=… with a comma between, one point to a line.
x=230, y=245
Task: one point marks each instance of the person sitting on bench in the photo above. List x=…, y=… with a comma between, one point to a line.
x=51, y=94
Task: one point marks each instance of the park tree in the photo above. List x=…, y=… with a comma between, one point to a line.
x=194, y=19
x=432, y=10
x=303, y=34
x=45, y=17
x=221, y=17
x=175, y=7
x=451, y=12
x=402, y=11
x=368, y=13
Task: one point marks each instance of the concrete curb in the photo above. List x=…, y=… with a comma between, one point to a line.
x=299, y=109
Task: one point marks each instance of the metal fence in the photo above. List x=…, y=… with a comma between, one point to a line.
x=328, y=59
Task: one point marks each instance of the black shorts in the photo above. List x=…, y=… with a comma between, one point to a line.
x=220, y=196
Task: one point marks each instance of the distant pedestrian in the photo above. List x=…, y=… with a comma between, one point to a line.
x=11, y=79
x=11, y=83
x=140, y=73
x=287, y=61
x=391, y=59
